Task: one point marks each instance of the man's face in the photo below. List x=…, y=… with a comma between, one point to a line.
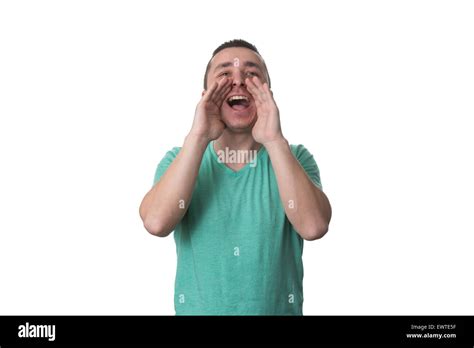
x=238, y=111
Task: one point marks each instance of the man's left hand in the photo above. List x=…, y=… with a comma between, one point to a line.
x=267, y=128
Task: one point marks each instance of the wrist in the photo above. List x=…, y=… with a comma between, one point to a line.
x=277, y=143
x=196, y=141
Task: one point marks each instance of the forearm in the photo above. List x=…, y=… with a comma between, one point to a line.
x=306, y=206
x=167, y=202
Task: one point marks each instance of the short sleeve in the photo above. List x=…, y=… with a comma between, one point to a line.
x=308, y=163
x=165, y=163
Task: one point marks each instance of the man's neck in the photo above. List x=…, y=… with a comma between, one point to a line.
x=236, y=141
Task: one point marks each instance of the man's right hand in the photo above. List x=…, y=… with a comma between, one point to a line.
x=207, y=123
x=162, y=207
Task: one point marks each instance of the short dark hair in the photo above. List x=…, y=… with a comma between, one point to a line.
x=234, y=43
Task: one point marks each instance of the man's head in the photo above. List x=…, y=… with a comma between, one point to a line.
x=235, y=43
x=237, y=60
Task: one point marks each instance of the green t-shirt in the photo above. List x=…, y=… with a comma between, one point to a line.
x=237, y=252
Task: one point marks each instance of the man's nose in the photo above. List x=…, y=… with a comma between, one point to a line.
x=238, y=80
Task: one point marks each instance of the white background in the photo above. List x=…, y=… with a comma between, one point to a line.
x=93, y=93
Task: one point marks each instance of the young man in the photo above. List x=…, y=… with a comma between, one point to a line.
x=240, y=199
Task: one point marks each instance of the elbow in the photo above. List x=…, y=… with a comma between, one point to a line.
x=156, y=228
x=314, y=232
x=153, y=224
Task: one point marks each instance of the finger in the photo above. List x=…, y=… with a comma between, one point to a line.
x=268, y=92
x=222, y=89
x=266, y=87
x=257, y=81
x=254, y=90
x=264, y=92
x=215, y=96
x=223, y=95
x=251, y=86
x=209, y=92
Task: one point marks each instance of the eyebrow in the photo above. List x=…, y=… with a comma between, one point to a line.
x=246, y=64
x=252, y=65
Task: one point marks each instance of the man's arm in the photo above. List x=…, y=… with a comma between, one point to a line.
x=306, y=206
x=165, y=204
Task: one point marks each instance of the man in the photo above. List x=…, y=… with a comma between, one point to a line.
x=239, y=224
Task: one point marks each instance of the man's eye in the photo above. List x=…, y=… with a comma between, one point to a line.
x=225, y=73
x=252, y=73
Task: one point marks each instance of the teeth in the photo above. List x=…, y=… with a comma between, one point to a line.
x=238, y=97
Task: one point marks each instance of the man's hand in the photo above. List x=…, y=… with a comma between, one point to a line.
x=207, y=123
x=166, y=203
x=267, y=128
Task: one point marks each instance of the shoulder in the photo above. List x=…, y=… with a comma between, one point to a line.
x=165, y=162
x=300, y=151
x=173, y=152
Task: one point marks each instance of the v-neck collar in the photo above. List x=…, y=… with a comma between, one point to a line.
x=229, y=170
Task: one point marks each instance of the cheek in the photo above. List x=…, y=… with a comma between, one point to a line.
x=210, y=82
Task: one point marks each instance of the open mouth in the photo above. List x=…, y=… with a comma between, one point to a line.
x=238, y=102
